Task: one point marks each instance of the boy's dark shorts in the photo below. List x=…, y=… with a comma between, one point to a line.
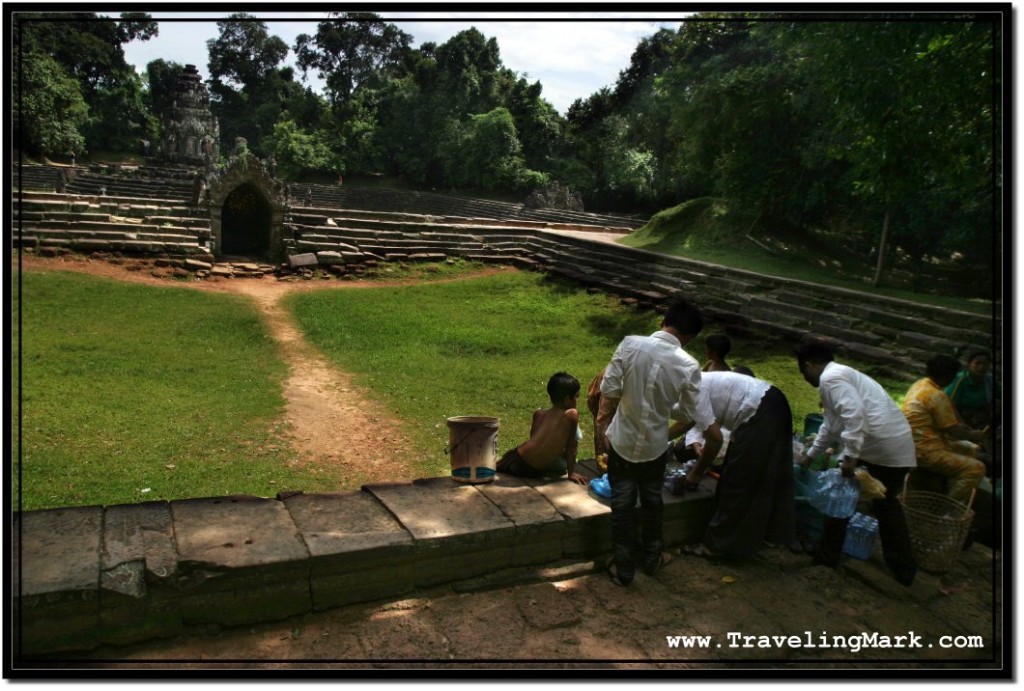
x=514, y=464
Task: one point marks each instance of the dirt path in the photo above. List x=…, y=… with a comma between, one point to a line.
x=332, y=421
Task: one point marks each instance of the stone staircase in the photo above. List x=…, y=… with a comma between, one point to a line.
x=172, y=183
x=432, y=203
x=134, y=225
x=349, y=227
x=898, y=335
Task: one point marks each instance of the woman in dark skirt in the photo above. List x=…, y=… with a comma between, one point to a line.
x=754, y=496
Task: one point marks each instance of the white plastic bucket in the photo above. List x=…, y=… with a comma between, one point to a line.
x=473, y=447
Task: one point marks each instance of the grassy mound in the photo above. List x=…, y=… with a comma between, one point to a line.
x=702, y=223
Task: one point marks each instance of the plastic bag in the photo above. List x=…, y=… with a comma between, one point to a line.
x=601, y=487
x=833, y=494
x=870, y=486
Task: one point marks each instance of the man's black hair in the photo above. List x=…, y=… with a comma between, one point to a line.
x=719, y=344
x=942, y=368
x=685, y=317
x=561, y=386
x=816, y=353
x=977, y=352
x=741, y=369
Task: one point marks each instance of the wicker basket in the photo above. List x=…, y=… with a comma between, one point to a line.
x=938, y=527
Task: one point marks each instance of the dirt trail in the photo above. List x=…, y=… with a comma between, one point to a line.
x=332, y=421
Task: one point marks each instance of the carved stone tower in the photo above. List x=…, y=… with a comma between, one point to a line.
x=191, y=134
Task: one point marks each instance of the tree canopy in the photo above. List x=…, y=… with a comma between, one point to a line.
x=885, y=128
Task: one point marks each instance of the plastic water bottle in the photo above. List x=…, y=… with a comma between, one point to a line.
x=843, y=497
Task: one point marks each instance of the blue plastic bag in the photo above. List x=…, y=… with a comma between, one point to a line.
x=601, y=486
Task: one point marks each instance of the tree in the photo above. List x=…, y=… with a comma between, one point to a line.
x=349, y=50
x=296, y=152
x=49, y=110
x=87, y=46
x=250, y=93
x=88, y=49
x=244, y=53
x=913, y=117
x=485, y=153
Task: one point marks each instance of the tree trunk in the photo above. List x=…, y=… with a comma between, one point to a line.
x=881, y=250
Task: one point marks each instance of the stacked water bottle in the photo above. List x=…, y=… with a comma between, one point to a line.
x=861, y=535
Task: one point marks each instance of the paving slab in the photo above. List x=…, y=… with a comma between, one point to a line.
x=442, y=509
x=540, y=528
x=241, y=560
x=236, y=532
x=358, y=550
x=59, y=552
x=458, y=532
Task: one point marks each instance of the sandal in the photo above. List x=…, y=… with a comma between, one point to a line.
x=700, y=550
x=663, y=558
x=613, y=574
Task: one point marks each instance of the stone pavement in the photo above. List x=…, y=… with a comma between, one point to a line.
x=765, y=612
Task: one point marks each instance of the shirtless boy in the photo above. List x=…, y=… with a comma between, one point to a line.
x=553, y=437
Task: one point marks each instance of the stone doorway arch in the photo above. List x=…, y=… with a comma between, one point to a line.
x=247, y=209
x=245, y=223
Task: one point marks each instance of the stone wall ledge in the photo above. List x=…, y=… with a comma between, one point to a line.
x=86, y=576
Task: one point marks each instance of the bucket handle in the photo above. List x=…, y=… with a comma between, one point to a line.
x=449, y=451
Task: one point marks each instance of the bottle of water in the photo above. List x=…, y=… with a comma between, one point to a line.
x=843, y=497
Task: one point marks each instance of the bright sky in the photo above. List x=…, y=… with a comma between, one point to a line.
x=572, y=54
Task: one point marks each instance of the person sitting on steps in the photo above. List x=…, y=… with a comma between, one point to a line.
x=937, y=429
x=553, y=440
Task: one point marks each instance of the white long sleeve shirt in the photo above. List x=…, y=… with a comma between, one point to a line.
x=649, y=375
x=727, y=397
x=860, y=413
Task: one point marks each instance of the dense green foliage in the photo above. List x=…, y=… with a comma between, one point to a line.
x=76, y=91
x=883, y=130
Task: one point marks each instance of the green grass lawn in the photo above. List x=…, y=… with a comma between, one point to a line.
x=135, y=393
x=487, y=347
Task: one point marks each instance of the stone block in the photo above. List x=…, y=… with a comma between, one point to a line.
x=138, y=550
x=588, y=529
x=197, y=265
x=56, y=575
x=298, y=260
x=329, y=257
x=241, y=560
x=687, y=515
x=540, y=529
x=458, y=532
x=358, y=551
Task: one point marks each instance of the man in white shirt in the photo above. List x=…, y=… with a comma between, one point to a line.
x=646, y=377
x=875, y=434
x=754, y=495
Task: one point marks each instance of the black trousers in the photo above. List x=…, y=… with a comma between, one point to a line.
x=892, y=525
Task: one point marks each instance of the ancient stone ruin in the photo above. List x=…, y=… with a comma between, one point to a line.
x=190, y=132
x=247, y=206
x=555, y=196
